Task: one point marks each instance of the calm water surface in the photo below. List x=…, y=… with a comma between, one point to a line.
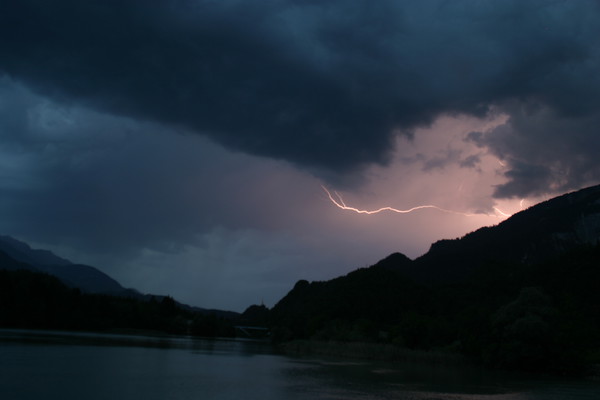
x=60, y=365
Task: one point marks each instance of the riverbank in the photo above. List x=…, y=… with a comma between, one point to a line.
x=388, y=353
x=370, y=351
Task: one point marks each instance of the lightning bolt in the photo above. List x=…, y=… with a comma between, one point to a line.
x=338, y=201
x=499, y=211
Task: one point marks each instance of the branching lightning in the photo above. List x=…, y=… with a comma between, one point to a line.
x=339, y=202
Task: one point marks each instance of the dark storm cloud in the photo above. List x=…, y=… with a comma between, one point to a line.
x=471, y=161
x=322, y=84
x=115, y=185
x=544, y=151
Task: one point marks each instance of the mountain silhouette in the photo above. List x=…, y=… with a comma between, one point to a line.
x=521, y=294
x=18, y=255
x=84, y=277
x=537, y=234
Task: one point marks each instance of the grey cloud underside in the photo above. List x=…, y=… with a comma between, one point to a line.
x=546, y=152
x=324, y=85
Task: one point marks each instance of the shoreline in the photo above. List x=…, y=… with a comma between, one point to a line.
x=370, y=351
x=389, y=353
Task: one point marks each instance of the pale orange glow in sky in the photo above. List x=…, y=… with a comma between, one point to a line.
x=341, y=204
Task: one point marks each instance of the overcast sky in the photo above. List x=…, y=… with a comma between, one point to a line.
x=181, y=146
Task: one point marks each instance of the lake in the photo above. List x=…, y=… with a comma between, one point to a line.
x=38, y=365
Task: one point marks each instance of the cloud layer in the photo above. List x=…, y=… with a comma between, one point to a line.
x=180, y=145
x=177, y=214
x=325, y=85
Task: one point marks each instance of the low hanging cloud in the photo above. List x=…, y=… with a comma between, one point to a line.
x=328, y=85
x=544, y=151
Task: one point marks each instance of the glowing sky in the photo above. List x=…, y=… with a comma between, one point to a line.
x=183, y=146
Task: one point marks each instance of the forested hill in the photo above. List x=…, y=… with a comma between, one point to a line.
x=19, y=256
x=30, y=297
x=36, y=300
x=83, y=277
x=523, y=294
x=537, y=234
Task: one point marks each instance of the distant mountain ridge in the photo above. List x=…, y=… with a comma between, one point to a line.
x=534, y=235
x=522, y=294
x=84, y=277
x=15, y=254
x=23, y=252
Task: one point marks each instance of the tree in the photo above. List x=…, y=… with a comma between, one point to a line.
x=522, y=332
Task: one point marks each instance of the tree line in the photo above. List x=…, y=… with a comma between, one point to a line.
x=538, y=317
x=34, y=300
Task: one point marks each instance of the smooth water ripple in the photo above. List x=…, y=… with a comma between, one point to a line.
x=63, y=365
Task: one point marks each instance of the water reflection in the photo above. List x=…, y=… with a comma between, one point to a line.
x=65, y=365
x=199, y=345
